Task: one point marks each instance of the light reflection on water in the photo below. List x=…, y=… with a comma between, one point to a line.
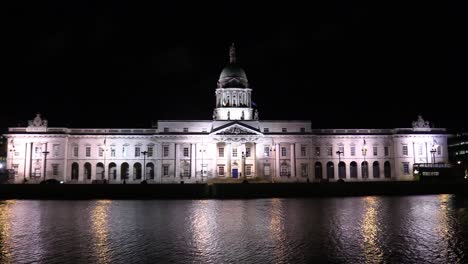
x=405, y=229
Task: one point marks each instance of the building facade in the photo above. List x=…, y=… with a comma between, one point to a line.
x=234, y=144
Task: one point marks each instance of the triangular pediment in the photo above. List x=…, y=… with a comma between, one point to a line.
x=235, y=129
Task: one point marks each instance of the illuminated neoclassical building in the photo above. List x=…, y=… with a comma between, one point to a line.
x=234, y=144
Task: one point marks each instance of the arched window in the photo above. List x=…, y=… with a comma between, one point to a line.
x=75, y=171
x=149, y=171
x=318, y=170
x=376, y=169
x=100, y=171
x=365, y=170
x=137, y=171
x=112, y=171
x=330, y=170
x=124, y=171
x=342, y=170
x=87, y=171
x=387, y=170
x=353, y=170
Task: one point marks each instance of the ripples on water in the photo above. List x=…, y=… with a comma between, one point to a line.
x=407, y=229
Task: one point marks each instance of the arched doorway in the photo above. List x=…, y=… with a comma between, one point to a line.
x=137, y=171
x=365, y=170
x=149, y=171
x=387, y=170
x=342, y=170
x=124, y=171
x=330, y=170
x=376, y=170
x=75, y=171
x=112, y=171
x=353, y=170
x=87, y=171
x=318, y=170
x=100, y=171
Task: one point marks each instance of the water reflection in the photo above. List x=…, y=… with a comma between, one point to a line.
x=370, y=230
x=277, y=231
x=203, y=225
x=99, y=225
x=5, y=230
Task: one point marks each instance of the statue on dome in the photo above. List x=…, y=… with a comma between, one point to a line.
x=420, y=123
x=256, y=114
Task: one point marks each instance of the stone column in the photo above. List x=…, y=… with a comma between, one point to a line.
x=193, y=171
x=254, y=158
x=277, y=160
x=293, y=160
x=177, y=160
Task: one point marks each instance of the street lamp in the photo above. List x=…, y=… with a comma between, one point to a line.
x=202, y=151
x=433, y=151
x=339, y=155
x=45, y=162
x=144, y=164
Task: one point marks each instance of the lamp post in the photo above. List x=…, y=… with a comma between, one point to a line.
x=45, y=162
x=202, y=151
x=339, y=156
x=433, y=151
x=144, y=164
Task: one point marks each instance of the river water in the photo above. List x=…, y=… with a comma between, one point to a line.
x=374, y=229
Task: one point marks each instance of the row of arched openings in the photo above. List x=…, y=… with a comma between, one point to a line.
x=353, y=172
x=112, y=171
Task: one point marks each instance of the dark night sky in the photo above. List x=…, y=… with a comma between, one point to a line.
x=337, y=63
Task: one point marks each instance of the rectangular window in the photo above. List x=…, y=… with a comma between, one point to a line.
x=248, y=170
x=56, y=150
x=15, y=168
x=221, y=152
x=374, y=150
x=405, y=150
x=284, y=171
x=266, y=151
x=37, y=150
x=137, y=151
x=303, y=150
x=386, y=151
x=304, y=169
x=284, y=130
x=247, y=152
x=88, y=151
x=17, y=153
x=302, y=129
x=329, y=151
x=166, y=151
x=341, y=150
x=166, y=130
x=186, y=152
x=353, y=150
x=221, y=170
x=185, y=129
x=234, y=152
x=406, y=167
x=165, y=170
x=317, y=151
x=55, y=169
x=266, y=130
x=283, y=151
x=101, y=151
x=112, y=151
x=439, y=150
x=124, y=151
x=150, y=151
x=186, y=171
x=266, y=169
x=420, y=149
x=75, y=151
